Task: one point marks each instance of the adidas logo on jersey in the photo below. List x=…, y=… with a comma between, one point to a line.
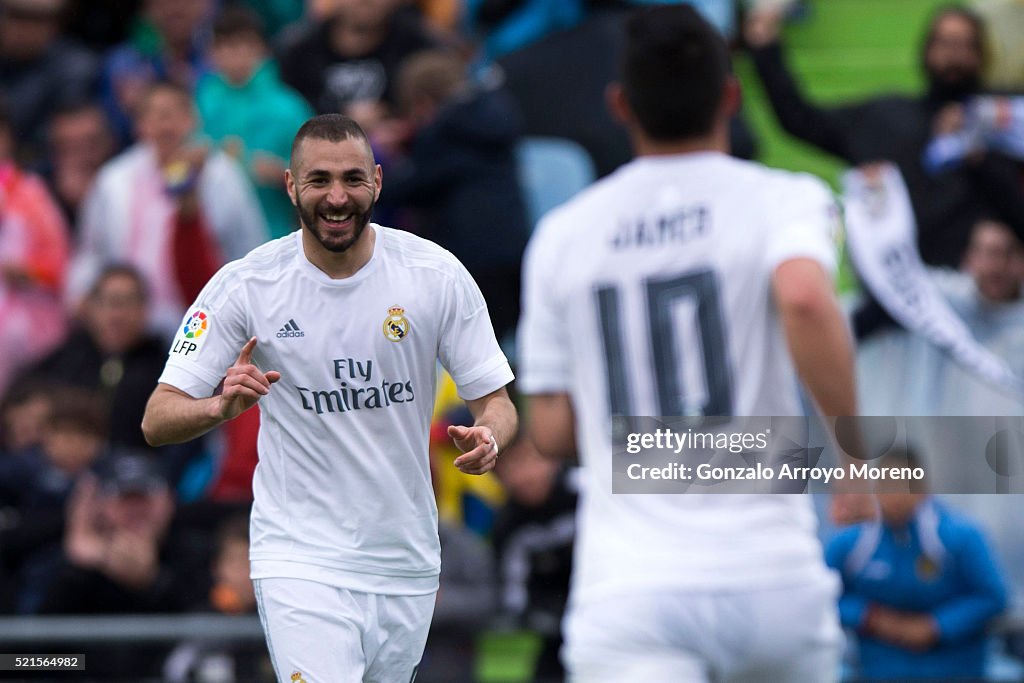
x=290, y=329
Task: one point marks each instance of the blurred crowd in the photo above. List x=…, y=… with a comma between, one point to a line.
x=143, y=145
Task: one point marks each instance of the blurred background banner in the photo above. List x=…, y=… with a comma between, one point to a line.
x=880, y=232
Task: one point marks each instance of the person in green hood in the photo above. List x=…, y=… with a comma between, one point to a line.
x=248, y=111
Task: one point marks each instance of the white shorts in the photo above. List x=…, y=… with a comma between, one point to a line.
x=781, y=635
x=333, y=635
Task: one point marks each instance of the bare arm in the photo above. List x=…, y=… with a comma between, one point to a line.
x=823, y=355
x=553, y=425
x=172, y=416
x=816, y=335
x=826, y=128
x=494, y=428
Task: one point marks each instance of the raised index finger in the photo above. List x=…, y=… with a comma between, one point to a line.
x=245, y=355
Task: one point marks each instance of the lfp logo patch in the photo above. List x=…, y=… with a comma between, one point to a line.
x=195, y=325
x=193, y=334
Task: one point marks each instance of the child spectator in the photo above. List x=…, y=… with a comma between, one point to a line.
x=920, y=585
x=232, y=591
x=35, y=485
x=250, y=112
x=23, y=414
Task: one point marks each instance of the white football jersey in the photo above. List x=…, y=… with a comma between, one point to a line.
x=342, y=490
x=650, y=294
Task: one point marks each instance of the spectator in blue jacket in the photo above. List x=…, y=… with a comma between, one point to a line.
x=920, y=585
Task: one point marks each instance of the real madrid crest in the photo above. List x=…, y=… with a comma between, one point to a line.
x=927, y=569
x=396, y=327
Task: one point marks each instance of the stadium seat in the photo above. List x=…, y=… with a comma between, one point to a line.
x=551, y=171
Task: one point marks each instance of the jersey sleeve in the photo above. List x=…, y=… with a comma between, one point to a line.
x=544, y=357
x=468, y=349
x=209, y=338
x=803, y=222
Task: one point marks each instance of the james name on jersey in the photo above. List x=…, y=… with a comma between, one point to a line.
x=681, y=224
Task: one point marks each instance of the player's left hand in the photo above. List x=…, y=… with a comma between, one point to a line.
x=479, y=448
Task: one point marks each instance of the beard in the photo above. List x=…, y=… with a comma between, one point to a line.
x=952, y=84
x=308, y=215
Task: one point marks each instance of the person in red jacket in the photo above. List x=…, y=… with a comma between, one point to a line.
x=33, y=260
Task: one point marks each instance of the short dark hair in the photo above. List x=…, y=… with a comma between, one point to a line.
x=674, y=68
x=26, y=388
x=77, y=105
x=330, y=127
x=79, y=409
x=118, y=270
x=236, y=22
x=961, y=12
x=433, y=74
x=181, y=92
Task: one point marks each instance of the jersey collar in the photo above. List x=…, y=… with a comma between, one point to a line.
x=323, y=278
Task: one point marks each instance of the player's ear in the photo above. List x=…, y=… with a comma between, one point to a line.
x=378, y=180
x=618, y=107
x=289, y=186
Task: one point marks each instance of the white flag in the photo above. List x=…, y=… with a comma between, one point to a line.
x=881, y=235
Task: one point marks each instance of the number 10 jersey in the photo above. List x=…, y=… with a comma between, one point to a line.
x=650, y=294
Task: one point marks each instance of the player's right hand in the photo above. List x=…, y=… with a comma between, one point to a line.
x=244, y=384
